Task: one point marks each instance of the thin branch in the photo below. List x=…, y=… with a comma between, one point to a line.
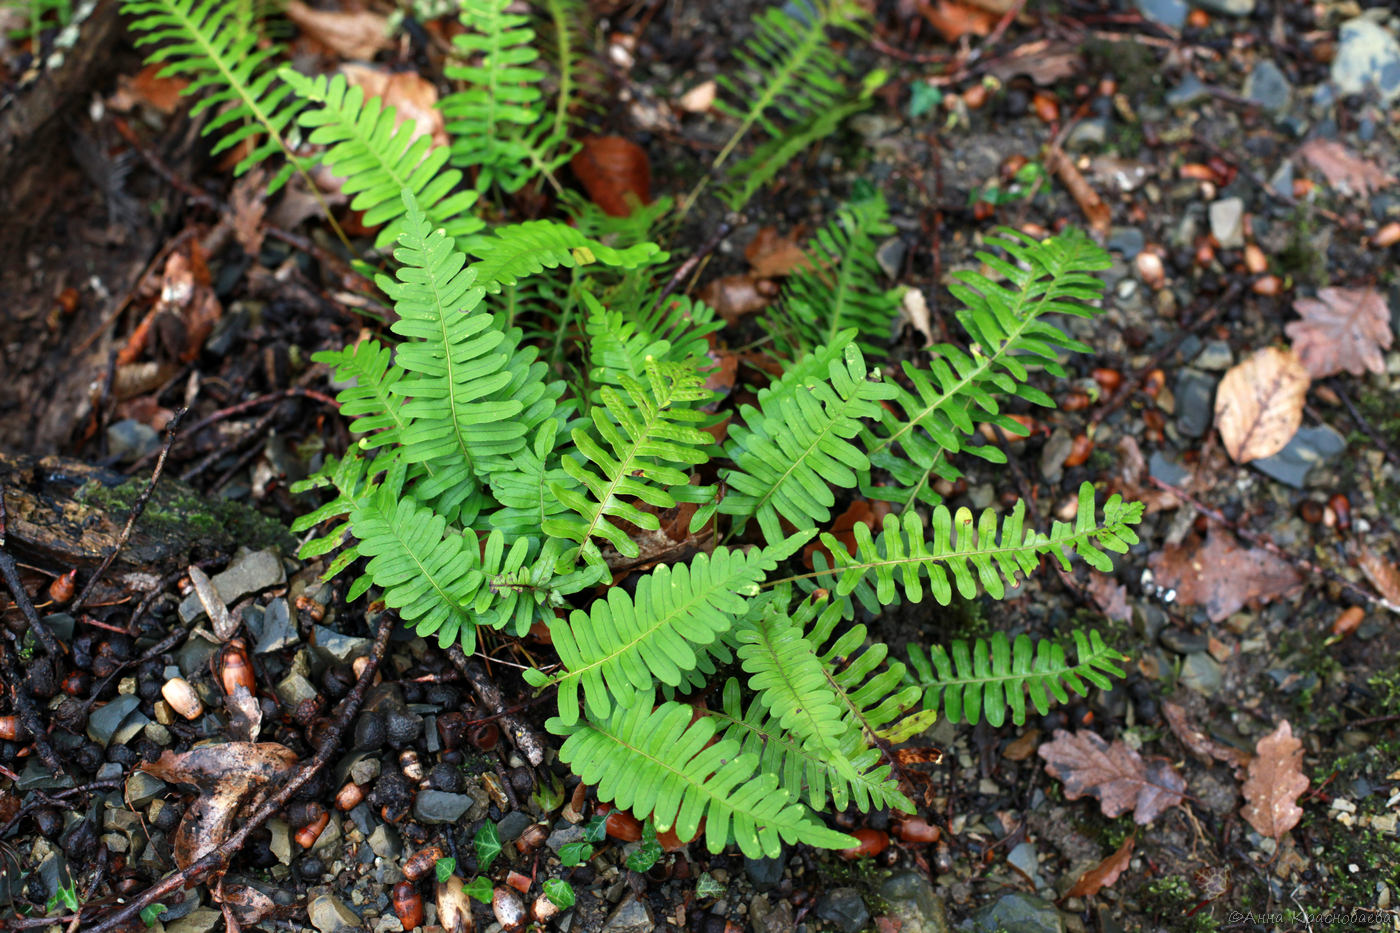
x=10, y=572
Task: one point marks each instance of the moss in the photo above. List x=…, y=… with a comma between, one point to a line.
x=178, y=511
x=1172, y=898
x=1134, y=65
x=1301, y=260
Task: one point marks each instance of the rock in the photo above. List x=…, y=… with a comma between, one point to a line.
x=281, y=843
x=1227, y=7
x=766, y=917
x=103, y=724
x=1167, y=12
x=1126, y=240
x=293, y=689
x=1281, y=181
x=914, y=904
x=250, y=572
x=1023, y=856
x=1215, y=355
x=1053, y=454
x=337, y=648
x=1368, y=56
x=435, y=806
x=1019, y=913
x=129, y=441
x=1088, y=134
x=890, y=256
x=1201, y=673
x=844, y=909
x=1195, y=399
x=278, y=629
x=1188, y=92
x=1159, y=466
x=562, y=836
x=1268, y=87
x=328, y=914
x=1181, y=641
x=512, y=825
x=1227, y=222
x=385, y=842
x=1307, y=449
x=631, y=916
x=200, y=920
x=142, y=788
x=764, y=873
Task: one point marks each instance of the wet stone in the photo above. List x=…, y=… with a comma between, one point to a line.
x=1188, y=92
x=1195, y=398
x=844, y=909
x=293, y=689
x=142, y=788
x=1182, y=642
x=1268, y=87
x=1368, y=56
x=913, y=902
x=563, y=835
x=329, y=914
x=764, y=873
x=767, y=917
x=1162, y=467
x=278, y=629
x=631, y=916
x=1227, y=222
x=1227, y=7
x=1054, y=453
x=104, y=723
x=1126, y=240
x=1019, y=913
x=435, y=806
x=385, y=842
x=1201, y=673
x=1215, y=355
x=1307, y=449
x=1167, y=12
x=337, y=648
x=129, y=440
x=250, y=572
x=512, y=825
x=200, y=920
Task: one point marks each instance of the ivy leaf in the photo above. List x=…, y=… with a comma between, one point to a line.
x=445, y=867
x=707, y=886
x=596, y=829
x=559, y=892
x=648, y=853
x=151, y=913
x=575, y=853
x=488, y=846
x=480, y=888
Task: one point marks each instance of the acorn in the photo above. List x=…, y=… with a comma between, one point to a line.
x=518, y=881
x=623, y=826
x=543, y=910
x=1150, y=269
x=349, y=796
x=182, y=698
x=1387, y=235
x=408, y=905
x=315, y=611
x=1341, y=508
x=234, y=668
x=409, y=764
x=11, y=730
x=484, y=735
x=1267, y=285
x=454, y=910
x=1255, y=260
x=62, y=588
x=917, y=831
x=870, y=842
x=1349, y=621
x=1108, y=379
x=1079, y=451
x=508, y=908
x=532, y=838
x=306, y=836
x=420, y=863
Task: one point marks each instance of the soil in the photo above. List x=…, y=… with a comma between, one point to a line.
x=1011, y=845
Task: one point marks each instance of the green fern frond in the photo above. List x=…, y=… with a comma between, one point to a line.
x=621, y=339
x=978, y=554
x=379, y=160
x=210, y=45
x=797, y=444
x=566, y=46
x=839, y=288
x=498, y=121
x=659, y=764
x=351, y=478
x=647, y=222
x=990, y=678
x=624, y=643
x=790, y=70
x=521, y=484
x=924, y=427
x=648, y=435
x=369, y=398
x=521, y=250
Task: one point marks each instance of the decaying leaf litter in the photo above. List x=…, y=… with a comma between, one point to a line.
x=1306, y=520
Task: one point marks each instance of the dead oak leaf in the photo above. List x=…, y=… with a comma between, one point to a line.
x=1110, y=596
x=1259, y=404
x=1104, y=873
x=1197, y=742
x=1275, y=779
x=1119, y=777
x=1343, y=168
x=1221, y=575
x=233, y=779
x=771, y=254
x=1342, y=328
x=355, y=35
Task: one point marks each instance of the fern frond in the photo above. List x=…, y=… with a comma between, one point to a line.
x=924, y=427
x=621, y=339
x=565, y=42
x=972, y=554
x=991, y=677
x=839, y=288
x=647, y=222
x=351, y=477
x=659, y=764
x=789, y=70
x=515, y=252
x=497, y=122
x=209, y=44
x=648, y=435
x=797, y=444
x=379, y=158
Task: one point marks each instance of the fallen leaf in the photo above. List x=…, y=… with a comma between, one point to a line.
x=249, y=203
x=1095, y=210
x=913, y=309
x=1342, y=328
x=1118, y=776
x=1259, y=404
x=771, y=254
x=1197, y=742
x=1275, y=780
x=1384, y=576
x=146, y=87
x=1043, y=61
x=245, y=714
x=354, y=35
x=954, y=20
x=613, y=171
x=1132, y=479
x=1110, y=596
x=413, y=98
x=1221, y=575
x=733, y=296
x=232, y=778
x=1342, y=168
x=1104, y=873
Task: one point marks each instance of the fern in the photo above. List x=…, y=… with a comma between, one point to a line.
x=208, y=43
x=924, y=427
x=798, y=442
x=992, y=677
x=622, y=340
x=522, y=250
x=379, y=158
x=565, y=36
x=839, y=287
x=661, y=766
x=497, y=122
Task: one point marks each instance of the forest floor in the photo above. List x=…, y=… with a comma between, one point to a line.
x=1238, y=161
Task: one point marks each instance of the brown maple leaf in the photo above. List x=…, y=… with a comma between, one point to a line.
x=1104, y=873
x=1342, y=328
x=1275, y=780
x=1259, y=404
x=1119, y=777
x=1221, y=575
x=1343, y=168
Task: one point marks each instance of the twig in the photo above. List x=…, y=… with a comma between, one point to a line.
x=1364, y=424
x=524, y=736
x=136, y=510
x=10, y=572
x=216, y=860
x=24, y=705
x=685, y=268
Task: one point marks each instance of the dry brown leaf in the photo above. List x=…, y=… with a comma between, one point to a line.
x=614, y=171
x=1197, y=742
x=1104, y=873
x=1384, y=576
x=1118, y=776
x=232, y=778
x=1043, y=61
x=145, y=87
x=1343, y=168
x=1259, y=404
x=1275, y=780
x=1221, y=575
x=1132, y=479
x=771, y=254
x=1098, y=213
x=733, y=296
x=954, y=20
x=249, y=203
x=1342, y=328
x=412, y=98
x=355, y=35
x=913, y=309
